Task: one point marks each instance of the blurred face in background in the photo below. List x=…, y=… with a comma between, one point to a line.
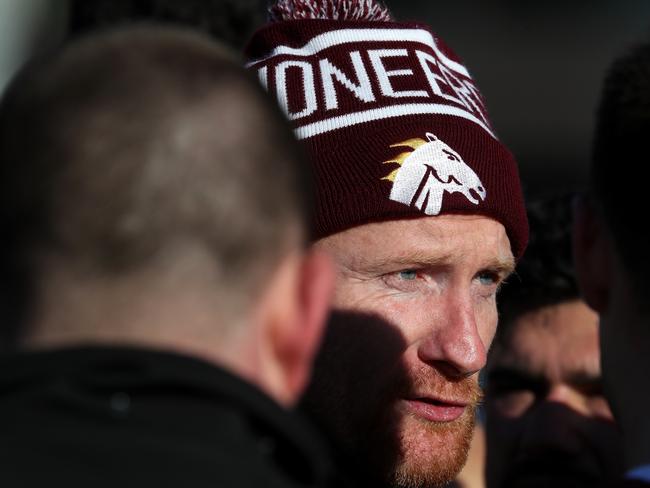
x=548, y=423
x=415, y=312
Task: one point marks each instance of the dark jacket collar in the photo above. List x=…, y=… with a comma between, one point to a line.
x=125, y=368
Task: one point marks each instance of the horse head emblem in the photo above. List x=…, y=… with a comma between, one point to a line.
x=429, y=170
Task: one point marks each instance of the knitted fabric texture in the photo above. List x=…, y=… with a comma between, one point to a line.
x=395, y=126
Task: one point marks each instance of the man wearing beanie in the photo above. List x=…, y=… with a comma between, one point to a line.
x=421, y=208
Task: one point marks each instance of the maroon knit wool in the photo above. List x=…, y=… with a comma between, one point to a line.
x=387, y=111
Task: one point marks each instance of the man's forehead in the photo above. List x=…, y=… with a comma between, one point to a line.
x=560, y=348
x=430, y=240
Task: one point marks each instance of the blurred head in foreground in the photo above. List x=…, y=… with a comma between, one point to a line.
x=151, y=196
x=611, y=247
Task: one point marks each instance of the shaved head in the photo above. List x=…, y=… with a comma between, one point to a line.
x=132, y=144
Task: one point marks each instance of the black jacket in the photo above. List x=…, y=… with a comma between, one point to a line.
x=119, y=418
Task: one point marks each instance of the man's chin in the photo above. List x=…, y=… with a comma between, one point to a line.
x=432, y=453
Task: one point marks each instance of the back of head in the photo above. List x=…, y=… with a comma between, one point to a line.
x=132, y=150
x=619, y=154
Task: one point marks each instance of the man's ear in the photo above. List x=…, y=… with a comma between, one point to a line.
x=316, y=292
x=294, y=320
x=592, y=254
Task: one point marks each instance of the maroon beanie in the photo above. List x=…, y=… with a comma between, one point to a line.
x=394, y=124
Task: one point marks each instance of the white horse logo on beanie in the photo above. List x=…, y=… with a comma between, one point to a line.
x=428, y=171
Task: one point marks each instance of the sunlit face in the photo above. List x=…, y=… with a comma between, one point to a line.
x=548, y=421
x=415, y=312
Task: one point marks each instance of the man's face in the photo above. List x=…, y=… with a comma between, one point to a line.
x=548, y=423
x=396, y=381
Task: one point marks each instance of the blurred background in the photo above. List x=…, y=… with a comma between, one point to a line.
x=538, y=64
x=540, y=67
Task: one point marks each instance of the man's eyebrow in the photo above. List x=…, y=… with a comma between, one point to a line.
x=513, y=373
x=502, y=378
x=410, y=260
x=591, y=382
x=503, y=266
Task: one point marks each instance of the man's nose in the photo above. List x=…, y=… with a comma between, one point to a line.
x=565, y=395
x=454, y=343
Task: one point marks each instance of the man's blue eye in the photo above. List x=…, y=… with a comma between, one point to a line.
x=408, y=274
x=487, y=279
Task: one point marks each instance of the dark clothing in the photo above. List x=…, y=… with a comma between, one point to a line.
x=108, y=417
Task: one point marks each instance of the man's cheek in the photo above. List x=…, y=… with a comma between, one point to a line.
x=487, y=323
x=413, y=317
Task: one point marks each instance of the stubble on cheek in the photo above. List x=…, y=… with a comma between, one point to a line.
x=359, y=381
x=419, y=453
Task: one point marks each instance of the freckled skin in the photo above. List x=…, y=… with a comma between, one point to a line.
x=548, y=421
x=415, y=314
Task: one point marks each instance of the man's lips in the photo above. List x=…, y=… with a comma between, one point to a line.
x=434, y=409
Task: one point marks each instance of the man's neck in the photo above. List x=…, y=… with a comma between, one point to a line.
x=155, y=312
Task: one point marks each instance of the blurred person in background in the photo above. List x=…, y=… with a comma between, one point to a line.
x=153, y=207
x=548, y=422
x=611, y=249
x=420, y=207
